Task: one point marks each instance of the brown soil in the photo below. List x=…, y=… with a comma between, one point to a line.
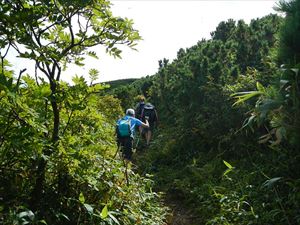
x=180, y=214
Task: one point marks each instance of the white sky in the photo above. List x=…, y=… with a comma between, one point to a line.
x=165, y=26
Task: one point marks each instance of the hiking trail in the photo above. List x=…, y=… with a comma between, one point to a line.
x=180, y=214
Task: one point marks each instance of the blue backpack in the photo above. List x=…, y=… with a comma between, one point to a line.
x=123, y=128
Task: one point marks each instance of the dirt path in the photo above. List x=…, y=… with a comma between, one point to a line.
x=180, y=215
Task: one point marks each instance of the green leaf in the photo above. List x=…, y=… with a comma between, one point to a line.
x=227, y=164
x=27, y=213
x=271, y=182
x=89, y=208
x=226, y=172
x=81, y=198
x=296, y=71
x=243, y=96
x=43, y=222
x=92, y=54
x=61, y=215
x=230, y=168
x=104, y=212
x=260, y=87
x=248, y=121
x=114, y=218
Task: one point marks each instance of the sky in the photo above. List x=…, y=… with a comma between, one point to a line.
x=165, y=26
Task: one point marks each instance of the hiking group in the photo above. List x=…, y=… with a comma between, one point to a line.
x=144, y=118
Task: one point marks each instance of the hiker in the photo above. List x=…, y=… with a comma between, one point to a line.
x=125, y=132
x=149, y=114
x=139, y=107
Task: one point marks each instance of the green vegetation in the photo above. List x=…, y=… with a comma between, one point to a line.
x=117, y=83
x=228, y=142
x=57, y=141
x=227, y=147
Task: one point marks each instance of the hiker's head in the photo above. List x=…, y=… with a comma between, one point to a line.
x=130, y=112
x=140, y=98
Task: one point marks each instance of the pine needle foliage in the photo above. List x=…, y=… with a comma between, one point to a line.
x=229, y=115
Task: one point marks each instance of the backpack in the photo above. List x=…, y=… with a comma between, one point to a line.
x=123, y=128
x=148, y=113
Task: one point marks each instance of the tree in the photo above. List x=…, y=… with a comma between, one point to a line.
x=54, y=34
x=224, y=30
x=289, y=48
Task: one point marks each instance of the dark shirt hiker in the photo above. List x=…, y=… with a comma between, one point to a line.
x=149, y=113
x=139, y=107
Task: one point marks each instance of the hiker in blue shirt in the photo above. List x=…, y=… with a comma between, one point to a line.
x=126, y=130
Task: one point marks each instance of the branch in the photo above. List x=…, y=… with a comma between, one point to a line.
x=47, y=28
x=19, y=78
x=16, y=47
x=35, y=74
x=73, y=44
x=16, y=115
x=69, y=119
x=50, y=72
x=59, y=69
x=6, y=50
x=37, y=63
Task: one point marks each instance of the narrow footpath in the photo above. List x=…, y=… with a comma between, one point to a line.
x=179, y=213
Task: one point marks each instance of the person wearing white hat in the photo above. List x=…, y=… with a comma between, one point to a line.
x=125, y=130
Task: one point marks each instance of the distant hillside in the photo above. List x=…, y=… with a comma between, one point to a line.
x=117, y=83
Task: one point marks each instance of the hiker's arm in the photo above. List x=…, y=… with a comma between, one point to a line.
x=145, y=125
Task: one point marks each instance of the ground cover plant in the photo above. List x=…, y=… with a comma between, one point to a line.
x=57, y=140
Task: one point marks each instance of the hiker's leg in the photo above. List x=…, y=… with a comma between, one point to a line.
x=145, y=131
x=149, y=137
x=149, y=133
x=141, y=129
x=127, y=154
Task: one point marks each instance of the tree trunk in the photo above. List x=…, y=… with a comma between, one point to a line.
x=38, y=190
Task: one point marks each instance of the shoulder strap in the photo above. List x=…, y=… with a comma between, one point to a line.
x=142, y=114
